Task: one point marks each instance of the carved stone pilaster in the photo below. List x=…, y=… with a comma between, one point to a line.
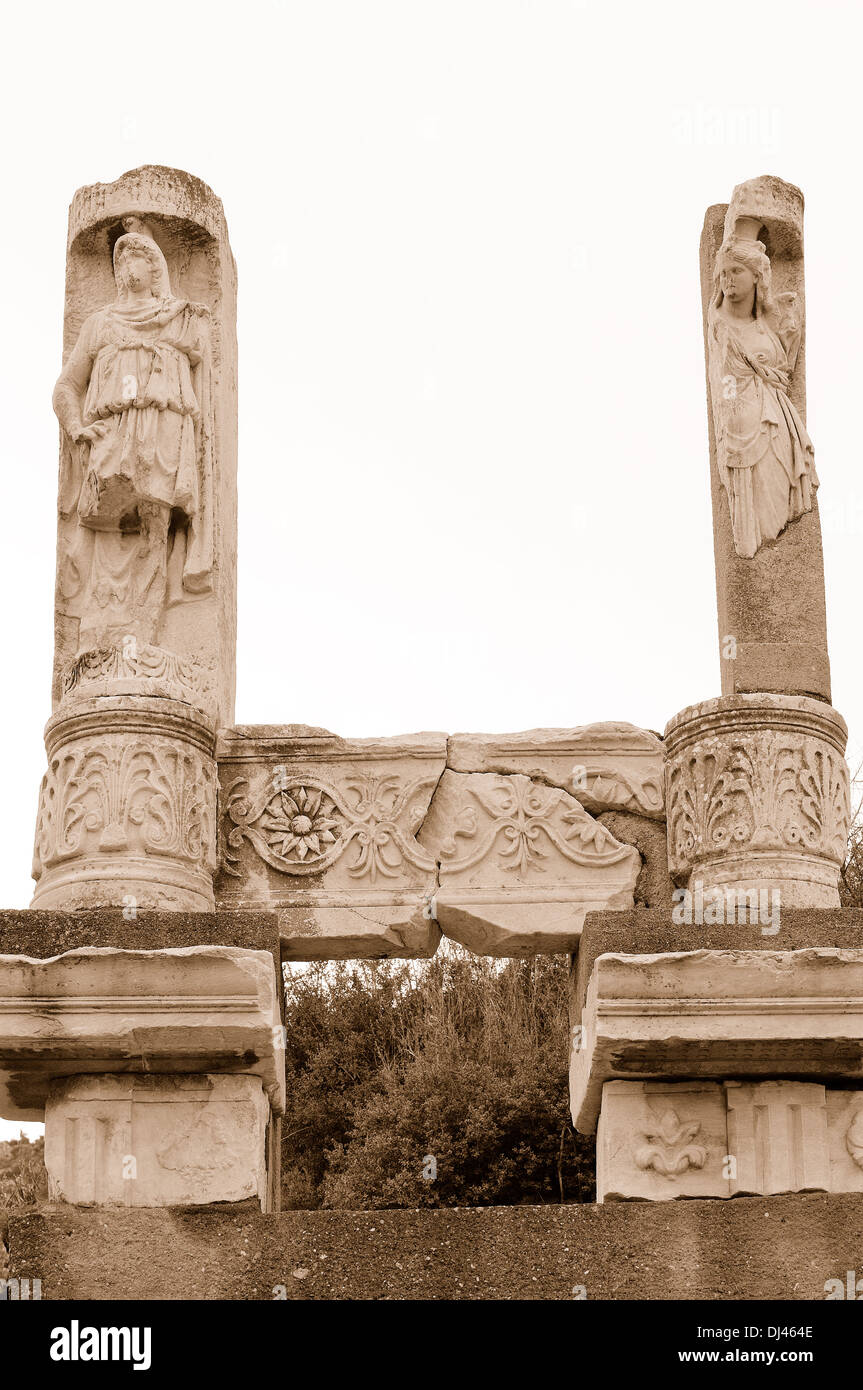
x=757, y=796
x=127, y=808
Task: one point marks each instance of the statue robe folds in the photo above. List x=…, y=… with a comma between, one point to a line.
x=765, y=456
x=145, y=373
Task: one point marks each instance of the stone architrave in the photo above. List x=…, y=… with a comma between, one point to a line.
x=755, y=1015
x=777, y=1136
x=757, y=797
x=100, y=1010
x=659, y=1141
x=157, y=1141
x=322, y=830
x=520, y=864
x=607, y=767
x=767, y=534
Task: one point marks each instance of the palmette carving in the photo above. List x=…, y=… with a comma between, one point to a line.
x=526, y=819
x=152, y=797
x=300, y=824
x=619, y=790
x=764, y=790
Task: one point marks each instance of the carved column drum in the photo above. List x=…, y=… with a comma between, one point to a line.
x=757, y=794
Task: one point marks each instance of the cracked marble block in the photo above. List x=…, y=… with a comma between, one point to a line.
x=98, y=1010
x=520, y=864
x=658, y=1141
x=323, y=830
x=754, y=1015
x=157, y=1141
x=606, y=767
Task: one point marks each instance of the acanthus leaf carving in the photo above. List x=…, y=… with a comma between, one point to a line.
x=145, y=796
x=524, y=818
x=766, y=789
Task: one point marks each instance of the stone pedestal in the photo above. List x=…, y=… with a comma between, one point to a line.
x=157, y=1141
x=657, y=1141
x=102, y=1010
x=160, y=1074
x=777, y=1135
x=710, y=1015
x=757, y=797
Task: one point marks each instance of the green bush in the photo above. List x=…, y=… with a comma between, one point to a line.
x=434, y=1084
x=23, y=1180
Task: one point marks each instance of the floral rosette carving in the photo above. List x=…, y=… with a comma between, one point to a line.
x=300, y=824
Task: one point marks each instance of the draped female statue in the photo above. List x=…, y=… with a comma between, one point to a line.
x=766, y=460
x=134, y=400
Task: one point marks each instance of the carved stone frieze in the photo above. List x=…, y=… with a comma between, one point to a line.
x=757, y=795
x=659, y=1141
x=323, y=829
x=520, y=864
x=611, y=766
x=301, y=824
x=133, y=668
x=155, y=1141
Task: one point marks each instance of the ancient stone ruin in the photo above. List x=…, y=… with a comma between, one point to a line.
x=179, y=858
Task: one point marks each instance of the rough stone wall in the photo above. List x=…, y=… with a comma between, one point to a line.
x=748, y=1248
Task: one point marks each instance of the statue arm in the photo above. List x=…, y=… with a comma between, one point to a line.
x=790, y=328
x=71, y=388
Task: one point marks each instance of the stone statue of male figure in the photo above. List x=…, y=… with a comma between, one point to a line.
x=134, y=399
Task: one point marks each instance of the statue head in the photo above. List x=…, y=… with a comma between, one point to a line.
x=138, y=262
x=742, y=271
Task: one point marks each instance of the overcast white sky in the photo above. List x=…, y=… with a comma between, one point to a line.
x=473, y=446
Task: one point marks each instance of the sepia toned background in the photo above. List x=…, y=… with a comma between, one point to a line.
x=474, y=486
